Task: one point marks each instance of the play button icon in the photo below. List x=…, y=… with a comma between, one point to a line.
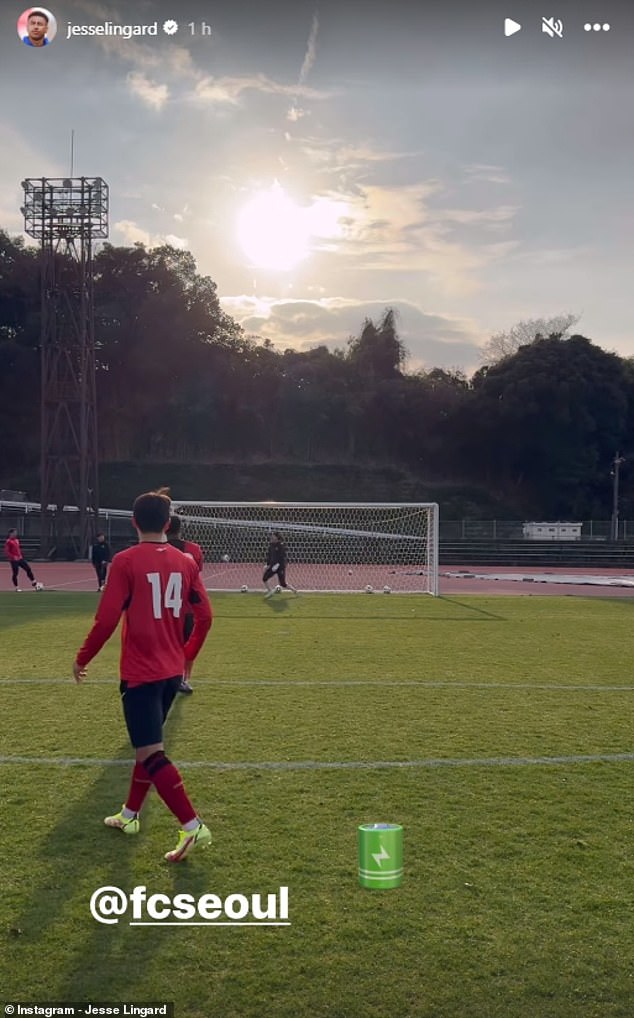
x=511, y=27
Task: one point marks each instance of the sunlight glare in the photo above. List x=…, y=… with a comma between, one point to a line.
x=275, y=233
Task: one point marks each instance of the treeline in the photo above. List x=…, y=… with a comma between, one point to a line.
x=178, y=380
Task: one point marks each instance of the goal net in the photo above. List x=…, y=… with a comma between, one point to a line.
x=331, y=546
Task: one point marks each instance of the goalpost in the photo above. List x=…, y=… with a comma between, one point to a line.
x=332, y=547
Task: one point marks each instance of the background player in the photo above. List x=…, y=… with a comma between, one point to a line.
x=17, y=560
x=151, y=584
x=276, y=565
x=194, y=551
x=100, y=558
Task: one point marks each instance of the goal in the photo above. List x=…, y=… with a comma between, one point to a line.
x=332, y=547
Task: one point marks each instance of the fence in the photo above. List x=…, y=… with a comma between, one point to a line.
x=115, y=524
x=26, y=517
x=513, y=530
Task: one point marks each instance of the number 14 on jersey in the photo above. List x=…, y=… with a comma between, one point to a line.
x=171, y=598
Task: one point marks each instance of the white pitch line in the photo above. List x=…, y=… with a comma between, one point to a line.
x=74, y=584
x=336, y=683
x=339, y=765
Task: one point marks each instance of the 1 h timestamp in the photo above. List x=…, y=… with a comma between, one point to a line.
x=199, y=28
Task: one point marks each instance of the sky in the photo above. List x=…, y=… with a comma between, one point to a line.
x=325, y=161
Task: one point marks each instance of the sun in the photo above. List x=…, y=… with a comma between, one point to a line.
x=275, y=233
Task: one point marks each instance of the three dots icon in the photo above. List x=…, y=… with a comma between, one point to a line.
x=595, y=27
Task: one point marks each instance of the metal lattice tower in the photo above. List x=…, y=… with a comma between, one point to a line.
x=66, y=216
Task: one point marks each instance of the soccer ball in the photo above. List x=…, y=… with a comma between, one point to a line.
x=39, y=586
x=387, y=590
x=225, y=558
x=244, y=589
x=369, y=589
x=278, y=589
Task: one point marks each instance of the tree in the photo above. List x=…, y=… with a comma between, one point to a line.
x=154, y=317
x=19, y=291
x=505, y=344
x=19, y=353
x=378, y=353
x=547, y=421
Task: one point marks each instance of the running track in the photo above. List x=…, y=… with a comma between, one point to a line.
x=485, y=580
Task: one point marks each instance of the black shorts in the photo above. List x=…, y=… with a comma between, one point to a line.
x=145, y=708
x=188, y=627
x=279, y=573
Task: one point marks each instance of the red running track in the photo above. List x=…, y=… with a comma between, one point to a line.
x=80, y=576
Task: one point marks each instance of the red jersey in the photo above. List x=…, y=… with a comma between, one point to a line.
x=189, y=548
x=155, y=585
x=12, y=549
x=196, y=552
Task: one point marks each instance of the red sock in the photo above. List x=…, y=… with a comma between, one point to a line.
x=140, y=785
x=169, y=785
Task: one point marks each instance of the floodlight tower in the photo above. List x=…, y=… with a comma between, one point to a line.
x=66, y=216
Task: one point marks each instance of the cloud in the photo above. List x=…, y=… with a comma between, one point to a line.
x=487, y=174
x=555, y=256
x=294, y=114
x=492, y=217
x=432, y=340
x=149, y=92
x=345, y=157
x=171, y=58
x=229, y=90
x=348, y=165
x=408, y=229
x=184, y=214
x=21, y=158
x=400, y=219
x=177, y=67
x=130, y=232
x=391, y=229
x=180, y=242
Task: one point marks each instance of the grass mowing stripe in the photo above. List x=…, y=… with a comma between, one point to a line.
x=334, y=765
x=423, y=683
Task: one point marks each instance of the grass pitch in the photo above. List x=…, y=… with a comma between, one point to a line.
x=507, y=725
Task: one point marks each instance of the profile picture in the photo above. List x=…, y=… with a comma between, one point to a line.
x=37, y=27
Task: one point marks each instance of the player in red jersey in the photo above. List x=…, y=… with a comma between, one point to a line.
x=152, y=584
x=194, y=551
x=17, y=560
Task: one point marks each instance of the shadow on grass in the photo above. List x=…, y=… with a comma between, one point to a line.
x=279, y=605
x=29, y=606
x=90, y=960
x=406, y=615
x=486, y=615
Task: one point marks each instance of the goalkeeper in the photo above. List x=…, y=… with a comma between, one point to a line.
x=276, y=565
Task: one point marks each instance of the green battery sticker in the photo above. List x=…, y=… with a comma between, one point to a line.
x=380, y=855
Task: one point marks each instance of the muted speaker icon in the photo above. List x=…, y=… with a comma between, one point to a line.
x=553, y=27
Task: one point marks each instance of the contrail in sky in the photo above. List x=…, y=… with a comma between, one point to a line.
x=295, y=112
x=311, y=50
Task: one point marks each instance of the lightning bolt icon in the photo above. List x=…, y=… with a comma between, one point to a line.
x=378, y=856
